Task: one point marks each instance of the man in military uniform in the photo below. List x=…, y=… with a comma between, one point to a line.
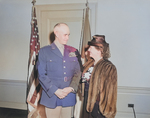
x=59, y=74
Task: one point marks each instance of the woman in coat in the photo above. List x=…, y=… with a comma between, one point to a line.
x=100, y=78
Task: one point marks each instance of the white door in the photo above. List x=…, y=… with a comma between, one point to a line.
x=71, y=14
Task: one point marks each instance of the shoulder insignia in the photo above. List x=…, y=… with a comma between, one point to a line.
x=71, y=49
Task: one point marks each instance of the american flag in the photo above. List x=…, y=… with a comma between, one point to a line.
x=33, y=87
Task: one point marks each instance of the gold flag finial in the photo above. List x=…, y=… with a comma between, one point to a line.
x=87, y=3
x=33, y=2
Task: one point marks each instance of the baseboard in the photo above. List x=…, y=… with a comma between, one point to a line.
x=13, y=94
x=13, y=105
x=131, y=115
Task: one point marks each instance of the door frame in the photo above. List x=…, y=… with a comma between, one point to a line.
x=75, y=6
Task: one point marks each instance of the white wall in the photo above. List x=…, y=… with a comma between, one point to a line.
x=15, y=17
x=126, y=25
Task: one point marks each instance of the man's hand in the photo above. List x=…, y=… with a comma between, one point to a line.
x=60, y=93
x=68, y=90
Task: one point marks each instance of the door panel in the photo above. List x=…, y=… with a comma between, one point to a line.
x=72, y=18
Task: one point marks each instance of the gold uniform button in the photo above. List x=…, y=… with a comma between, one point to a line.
x=64, y=72
x=64, y=66
x=64, y=61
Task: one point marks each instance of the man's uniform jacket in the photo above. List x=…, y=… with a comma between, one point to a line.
x=57, y=72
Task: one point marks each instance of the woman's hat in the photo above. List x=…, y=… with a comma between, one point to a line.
x=99, y=42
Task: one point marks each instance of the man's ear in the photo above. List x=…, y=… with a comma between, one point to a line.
x=56, y=33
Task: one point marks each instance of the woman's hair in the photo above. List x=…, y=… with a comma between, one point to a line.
x=100, y=44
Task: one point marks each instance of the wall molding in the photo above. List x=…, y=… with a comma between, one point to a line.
x=134, y=90
x=16, y=82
